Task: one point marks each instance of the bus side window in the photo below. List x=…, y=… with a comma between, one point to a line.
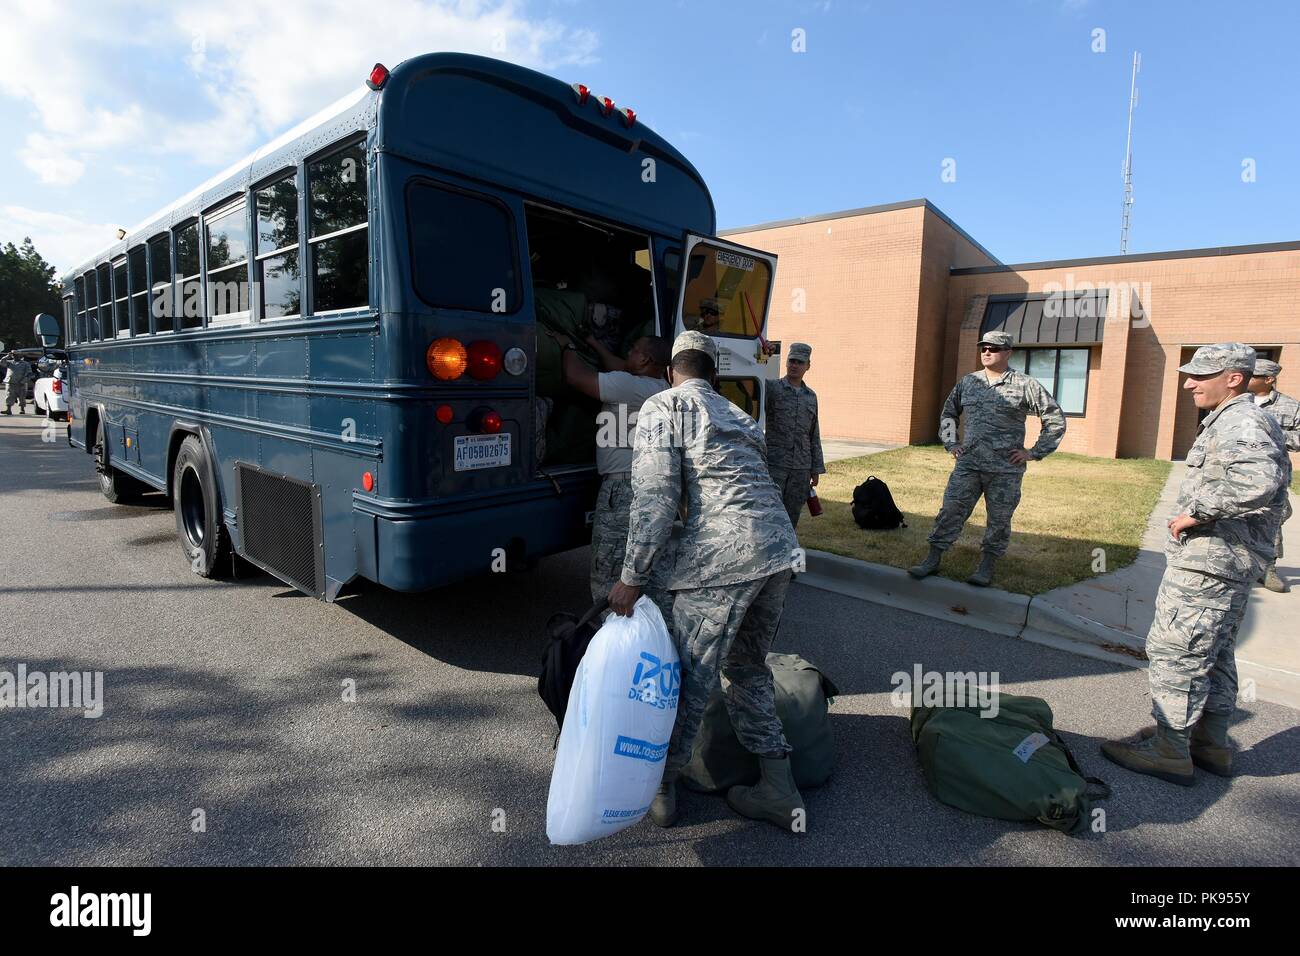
x=92, y=314
x=105, y=273
x=190, y=293
x=160, y=277
x=340, y=251
x=79, y=293
x=139, y=292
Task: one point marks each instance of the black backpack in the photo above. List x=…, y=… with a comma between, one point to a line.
x=874, y=508
x=568, y=637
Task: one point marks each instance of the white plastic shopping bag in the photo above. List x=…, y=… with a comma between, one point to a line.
x=612, y=747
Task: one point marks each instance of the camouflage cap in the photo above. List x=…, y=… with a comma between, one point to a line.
x=698, y=341
x=1212, y=359
x=1001, y=339
x=801, y=351
x=1267, y=367
x=712, y=305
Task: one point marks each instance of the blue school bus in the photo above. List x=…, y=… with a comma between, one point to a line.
x=339, y=357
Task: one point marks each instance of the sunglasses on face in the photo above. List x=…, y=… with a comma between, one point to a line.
x=992, y=348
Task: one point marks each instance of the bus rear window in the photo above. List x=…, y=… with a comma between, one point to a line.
x=462, y=249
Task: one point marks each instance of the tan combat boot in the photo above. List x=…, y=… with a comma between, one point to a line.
x=775, y=798
x=663, y=808
x=983, y=575
x=1208, y=744
x=928, y=566
x=1164, y=754
x=1273, y=582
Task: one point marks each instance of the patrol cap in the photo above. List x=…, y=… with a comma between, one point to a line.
x=1212, y=359
x=1000, y=339
x=1267, y=367
x=800, y=351
x=698, y=341
x=712, y=305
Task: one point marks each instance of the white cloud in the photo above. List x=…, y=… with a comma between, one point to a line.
x=64, y=241
x=251, y=68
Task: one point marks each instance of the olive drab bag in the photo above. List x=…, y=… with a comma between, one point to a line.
x=874, y=508
x=1011, y=766
x=567, y=640
x=802, y=692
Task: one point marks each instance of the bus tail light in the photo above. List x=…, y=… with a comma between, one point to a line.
x=443, y=414
x=487, y=421
x=446, y=359
x=378, y=77
x=484, y=360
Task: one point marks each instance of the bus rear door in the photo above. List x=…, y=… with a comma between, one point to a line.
x=726, y=291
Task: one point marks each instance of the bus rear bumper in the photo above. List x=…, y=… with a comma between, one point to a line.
x=420, y=546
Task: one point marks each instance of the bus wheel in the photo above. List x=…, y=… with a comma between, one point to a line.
x=117, y=487
x=199, y=523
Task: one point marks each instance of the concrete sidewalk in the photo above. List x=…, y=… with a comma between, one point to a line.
x=1268, y=644
x=837, y=449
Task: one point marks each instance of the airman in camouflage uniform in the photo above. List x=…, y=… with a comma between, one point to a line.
x=794, y=443
x=991, y=457
x=1286, y=410
x=729, y=571
x=19, y=374
x=1221, y=536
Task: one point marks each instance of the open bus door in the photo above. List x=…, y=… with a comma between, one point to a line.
x=726, y=292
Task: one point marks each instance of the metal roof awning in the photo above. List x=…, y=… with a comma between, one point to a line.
x=1071, y=318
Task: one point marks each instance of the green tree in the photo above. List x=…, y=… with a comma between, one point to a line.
x=27, y=286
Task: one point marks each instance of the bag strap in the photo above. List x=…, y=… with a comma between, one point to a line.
x=1096, y=788
x=596, y=609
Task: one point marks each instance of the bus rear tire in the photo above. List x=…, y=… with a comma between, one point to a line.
x=115, y=486
x=199, y=522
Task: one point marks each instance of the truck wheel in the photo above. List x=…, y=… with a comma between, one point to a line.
x=199, y=522
x=116, y=487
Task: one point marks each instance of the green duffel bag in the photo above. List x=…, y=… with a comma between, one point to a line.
x=719, y=762
x=1012, y=766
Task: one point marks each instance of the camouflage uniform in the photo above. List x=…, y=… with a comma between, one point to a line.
x=1285, y=410
x=995, y=427
x=794, y=443
x=16, y=383
x=731, y=564
x=1237, y=475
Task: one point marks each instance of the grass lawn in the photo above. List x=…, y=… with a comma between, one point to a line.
x=1070, y=505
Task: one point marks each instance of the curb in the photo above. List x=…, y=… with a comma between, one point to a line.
x=988, y=609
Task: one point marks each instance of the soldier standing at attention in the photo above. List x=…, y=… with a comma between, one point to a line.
x=728, y=575
x=1286, y=411
x=1219, y=540
x=991, y=458
x=794, y=443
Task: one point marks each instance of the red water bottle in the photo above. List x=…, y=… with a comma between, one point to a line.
x=814, y=503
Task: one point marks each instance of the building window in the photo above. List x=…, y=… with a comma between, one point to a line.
x=160, y=274
x=189, y=310
x=227, y=265
x=278, y=272
x=338, y=235
x=462, y=250
x=1063, y=372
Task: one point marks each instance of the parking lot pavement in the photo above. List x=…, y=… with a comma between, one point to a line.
x=227, y=698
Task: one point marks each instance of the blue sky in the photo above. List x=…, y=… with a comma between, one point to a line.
x=116, y=109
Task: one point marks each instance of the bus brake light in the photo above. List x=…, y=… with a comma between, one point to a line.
x=444, y=414
x=490, y=423
x=446, y=359
x=378, y=77
x=484, y=360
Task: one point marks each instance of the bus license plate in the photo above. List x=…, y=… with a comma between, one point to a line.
x=482, y=451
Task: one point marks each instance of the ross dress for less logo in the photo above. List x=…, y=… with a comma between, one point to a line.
x=656, y=683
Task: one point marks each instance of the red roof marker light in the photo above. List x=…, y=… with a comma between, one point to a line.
x=582, y=93
x=606, y=106
x=629, y=116
x=378, y=77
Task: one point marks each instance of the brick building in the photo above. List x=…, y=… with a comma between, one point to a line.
x=893, y=300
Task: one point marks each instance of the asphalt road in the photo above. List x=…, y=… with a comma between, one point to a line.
x=226, y=697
